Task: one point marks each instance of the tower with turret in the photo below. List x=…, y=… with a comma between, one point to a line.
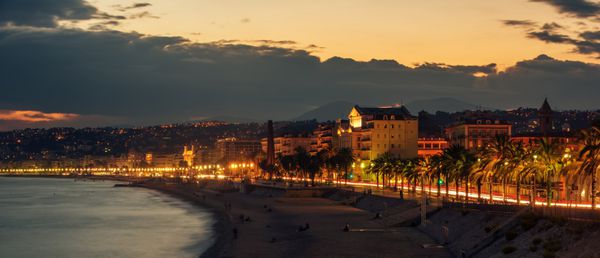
x=545, y=115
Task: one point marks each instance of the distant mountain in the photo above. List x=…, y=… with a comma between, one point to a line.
x=329, y=111
x=231, y=119
x=441, y=104
x=340, y=109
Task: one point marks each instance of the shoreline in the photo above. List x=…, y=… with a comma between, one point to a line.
x=271, y=227
x=219, y=228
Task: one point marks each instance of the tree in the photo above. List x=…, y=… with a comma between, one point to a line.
x=314, y=167
x=376, y=168
x=550, y=160
x=288, y=163
x=301, y=159
x=590, y=156
x=344, y=160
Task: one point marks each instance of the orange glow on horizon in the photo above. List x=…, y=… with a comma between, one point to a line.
x=34, y=116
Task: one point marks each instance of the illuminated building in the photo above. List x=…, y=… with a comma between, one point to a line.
x=431, y=146
x=188, y=155
x=287, y=144
x=379, y=130
x=234, y=149
x=547, y=131
x=476, y=132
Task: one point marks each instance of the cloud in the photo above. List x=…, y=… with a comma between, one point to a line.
x=245, y=20
x=577, y=8
x=152, y=79
x=34, y=116
x=275, y=42
x=144, y=14
x=550, y=37
x=552, y=26
x=586, y=42
x=105, y=25
x=133, y=6
x=43, y=13
x=519, y=23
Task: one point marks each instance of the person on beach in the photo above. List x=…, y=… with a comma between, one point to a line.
x=445, y=232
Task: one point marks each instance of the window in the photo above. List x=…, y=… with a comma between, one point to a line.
x=392, y=145
x=392, y=126
x=385, y=126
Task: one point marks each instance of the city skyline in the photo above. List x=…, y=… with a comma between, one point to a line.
x=78, y=63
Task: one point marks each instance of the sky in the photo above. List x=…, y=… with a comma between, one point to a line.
x=106, y=62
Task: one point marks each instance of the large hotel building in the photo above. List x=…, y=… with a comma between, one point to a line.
x=379, y=130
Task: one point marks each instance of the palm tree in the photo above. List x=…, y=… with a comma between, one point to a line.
x=451, y=157
x=522, y=160
x=590, y=156
x=375, y=169
x=499, y=152
x=550, y=160
x=435, y=166
x=482, y=172
x=288, y=163
x=344, y=159
x=301, y=159
x=314, y=167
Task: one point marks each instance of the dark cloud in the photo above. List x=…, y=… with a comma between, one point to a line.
x=144, y=14
x=44, y=13
x=578, y=8
x=590, y=35
x=275, y=42
x=105, y=25
x=519, y=23
x=552, y=26
x=150, y=79
x=586, y=42
x=134, y=6
x=550, y=37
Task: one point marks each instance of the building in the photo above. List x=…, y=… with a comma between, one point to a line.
x=376, y=131
x=547, y=131
x=286, y=145
x=431, y=146
x=477, y=131
x=188, y=155
x=234, y=149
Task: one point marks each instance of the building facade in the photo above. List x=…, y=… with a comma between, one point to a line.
x=477, y=132
x=375, y=131
x=286, y=145
x=234, y=149
x=431, y=146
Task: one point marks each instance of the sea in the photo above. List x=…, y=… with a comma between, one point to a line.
x=48, y=217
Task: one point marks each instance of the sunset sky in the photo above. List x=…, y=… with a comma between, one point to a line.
x=108, y=62
x=453, y=32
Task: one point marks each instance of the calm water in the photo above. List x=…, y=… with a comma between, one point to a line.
x=62, y=218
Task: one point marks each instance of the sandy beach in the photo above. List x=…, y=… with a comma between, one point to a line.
x=270, y=227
